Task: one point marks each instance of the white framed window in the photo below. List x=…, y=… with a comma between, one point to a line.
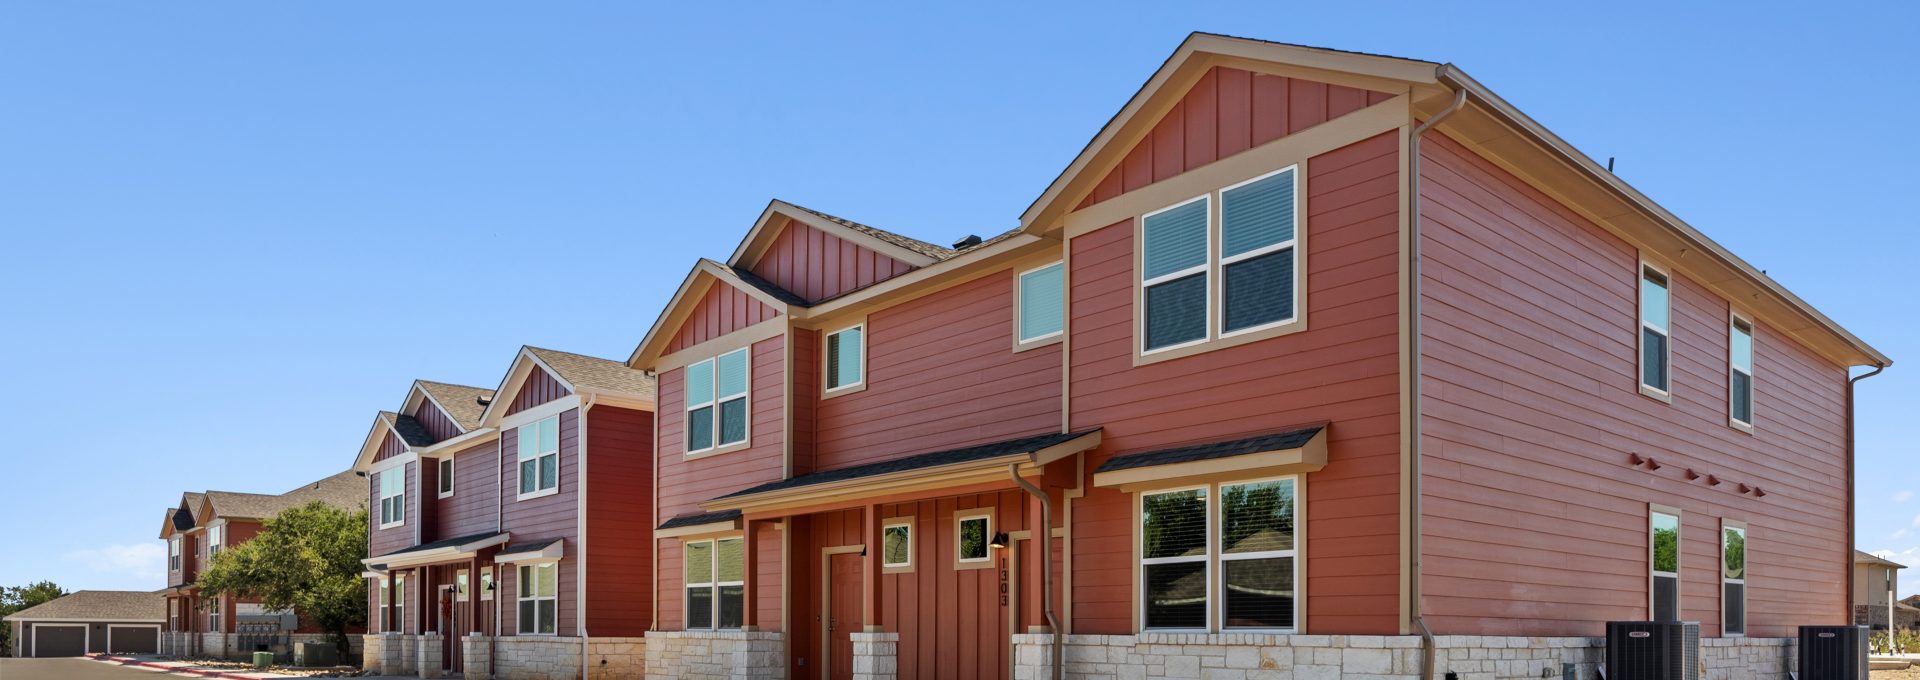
x=1663, y=562
x=460, y=585
x=400, y=603
x=1740, y=372
x=393, y=497
x=1174, y=282
x=446, y=476
x=896, y=544
x=486, y=583
x=537, y=594
x=1257, y=253
x=1655, y=331
x=717, y=401
x=1733, y=578
x=173, y=614
x=380, y=593
x=715, y=583
x=973, y=538
x=846, y=358
x=173, y=554
x=1041, y=309
x=539, y=456
x=216, y=538
x=1246, y=234
x=213, y=616
x=1221, y=557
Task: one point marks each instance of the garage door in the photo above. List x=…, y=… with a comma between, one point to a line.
x=59, y=640
x=133, y=640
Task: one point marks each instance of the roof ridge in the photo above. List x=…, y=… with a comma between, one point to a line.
x=910, y=243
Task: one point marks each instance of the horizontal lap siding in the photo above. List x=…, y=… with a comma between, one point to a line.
x=817, y=265
x=545, y=517
x=722, y=310
x=473, y=508
x=382, y=541
x=619, y=517
x=1345, y=369
x=941, y=374
x=1535, y=522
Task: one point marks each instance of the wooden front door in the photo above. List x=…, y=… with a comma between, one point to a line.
x=843, y=612
x=449, y=629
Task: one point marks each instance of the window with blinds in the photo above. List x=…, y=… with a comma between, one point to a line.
x=1174, y=559
x=537, y=595
x=538, y=451
x=1042, y=309
x=1257, y=554
x=1733, y=579
x=845, y=358
x=1246, y=235
x=716, y=401
x=1665, y=566
x=1174, y=274
x=715, y=584
x=1654, y=333
x=1220, y=557
x=1740, y=372
x=1256, y=252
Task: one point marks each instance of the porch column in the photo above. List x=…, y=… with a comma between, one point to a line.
x=473, y=596
x=1033, y=609
x=871, y=611
x=750, y=578
x=387, y=626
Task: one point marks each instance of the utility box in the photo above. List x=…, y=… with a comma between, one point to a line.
x=315, y=654
x=1653, y=650
x=1833, y=653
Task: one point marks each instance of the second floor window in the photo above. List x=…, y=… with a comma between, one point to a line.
x=845, y=357
x=1740, y=372
x=1246, y=235
x=1042, y=312
x=539, y=455
x=446, y=477
x=1174, y=275
x=393, y=497
x=1654, y=333
x=216, y=535
x=173, y=554
x=717, y=402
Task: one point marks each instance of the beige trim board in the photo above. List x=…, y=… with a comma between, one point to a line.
x=778, y=214
x=1308, y=457
x=745, y=337
x=925, y=281
x=704, y=274
x=732, y=526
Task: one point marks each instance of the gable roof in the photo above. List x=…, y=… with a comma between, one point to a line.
x=343, y=490
x=910, y=243
x=912, y=251
x=460, y=402
x=581, y=374
x=408, y=428
x=1863, y=557
x=98, y=605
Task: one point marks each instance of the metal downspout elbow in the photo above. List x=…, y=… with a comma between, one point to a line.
x=1044, y=546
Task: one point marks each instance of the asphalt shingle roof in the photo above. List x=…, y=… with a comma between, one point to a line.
x=409, y=428
x=924, y=460
x=594, y=373
x=909, y=243
x=769, y=287
x=445, y=543
x=98, y=605
x=461, y=402
x=1275, y=441
x=346, y=491
x=701, y=518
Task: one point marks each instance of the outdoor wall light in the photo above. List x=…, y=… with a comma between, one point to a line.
x=999, y=540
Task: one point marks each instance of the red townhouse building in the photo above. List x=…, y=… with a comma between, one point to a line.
x=506, y=526
x=201, y=526
x=1312, y=362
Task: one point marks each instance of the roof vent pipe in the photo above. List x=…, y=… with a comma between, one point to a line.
x=970, y=241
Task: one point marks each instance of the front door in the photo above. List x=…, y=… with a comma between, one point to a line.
x=843, y=612
x=449, y=629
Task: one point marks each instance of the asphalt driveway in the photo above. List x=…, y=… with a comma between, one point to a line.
x=70, y=669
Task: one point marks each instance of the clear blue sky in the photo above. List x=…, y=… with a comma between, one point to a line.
x=233, y=231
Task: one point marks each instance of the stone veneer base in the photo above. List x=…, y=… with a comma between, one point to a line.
x=1247, y=656
x=715, y=655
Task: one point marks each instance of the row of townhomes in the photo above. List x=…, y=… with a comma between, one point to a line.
x=1312, y=362
x=203, y=524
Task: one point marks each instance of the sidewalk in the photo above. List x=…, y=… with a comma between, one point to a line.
x=191, y=668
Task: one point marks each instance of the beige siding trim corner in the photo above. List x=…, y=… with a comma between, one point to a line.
x=1408, y=345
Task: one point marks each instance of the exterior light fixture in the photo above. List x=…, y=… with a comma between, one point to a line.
x=999, y=540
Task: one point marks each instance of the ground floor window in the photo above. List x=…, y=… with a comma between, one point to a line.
x=1664, y=562
x=385, y=624
x=537, y=594
x=716, y=583
x=1220, y=557
x=213, y=616
x=1733, y=578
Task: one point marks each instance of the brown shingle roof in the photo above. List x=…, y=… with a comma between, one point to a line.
x=345, y=490
x=913, y=244
x=461, y=402
x=99, y=605
x=593, y=373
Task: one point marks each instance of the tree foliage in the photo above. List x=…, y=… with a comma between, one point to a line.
x=306, y=559
x=16, y=598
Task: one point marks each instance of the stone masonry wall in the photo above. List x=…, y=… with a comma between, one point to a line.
x=616, y=658
x=1247, y=656
x=476, y=657
x=214, y=645
x=373, y=648
x=529, y=657
x=876, y=656
x=715, y=655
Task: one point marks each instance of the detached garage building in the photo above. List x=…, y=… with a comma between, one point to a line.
x=88, y=622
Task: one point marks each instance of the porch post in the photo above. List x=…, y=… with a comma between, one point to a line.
x=871, y=610
x=473, y=596
x=386, y=626
x=1033, y=609
x=750, y=578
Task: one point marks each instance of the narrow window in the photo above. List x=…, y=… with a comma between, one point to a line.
x=1653, y=330
x=1733, y=579
x=896, y=545
x=173, y=554
x=486, y=583
x=717, y=401
x=539, y=586
x=539, y=455
x=844, y=358
x=716, y=584
x=393, y=496
x=972, y=539
x=384, y=624
x=1042, y=302
x=1173, y=559
x=1740, y=372
x=460, y=585
x=1173, y=277
x=216, y=539
x=1665, y=575
x=1257, y=252
x=446, y=477
x=213, y=617
x=400, y=603
x=1257, y=554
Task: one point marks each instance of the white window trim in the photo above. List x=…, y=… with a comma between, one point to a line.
x=1679, y=554
x=960, y=517
x=518, y=468
x=1641, y=325
x=713, y=556
x=446, y=476
x=1205, y=269
x=462, y=585
x=380, y=512
x=1726, y=524
x=713, y=369
x=1734, y=319
x=1298, y=276
x=173, y=553
x=826, y=348
x=1214, y=571
x=898, y=567
x=400, y=602
x=381, y=598
x=216, y=537
x=520, y=595
x=486, y=580
x=1020, y=338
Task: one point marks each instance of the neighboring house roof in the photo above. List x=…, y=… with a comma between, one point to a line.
x=344, y=490
x=593, y=373
x=98, y=605
x=1862, y=557
x=461, y=402
x=913, y=244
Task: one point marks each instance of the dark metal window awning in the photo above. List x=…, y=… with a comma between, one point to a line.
x=1293, y=450
x=927, y=471
x=444, y=550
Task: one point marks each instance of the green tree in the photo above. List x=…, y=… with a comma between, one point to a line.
x=16, y=598
x=306, y=559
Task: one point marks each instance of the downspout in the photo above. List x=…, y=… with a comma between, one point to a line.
x=580, y=581
x=1877, y=368
x=1413, y=367
x=1045, y=549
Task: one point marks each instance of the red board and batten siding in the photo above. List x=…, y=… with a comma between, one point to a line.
x=1228, y=111
x=940, y=374
x=1535, y=523
x=436, y=421
x=537, y=389
x=816, y=265
x=685, y=483
x=722, y=310
x=546, y=517
x=1344, y=369
x=472, y=508
x=390, y=446
x=619, y=518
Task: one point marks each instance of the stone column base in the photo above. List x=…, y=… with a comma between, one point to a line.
x=611, y=658
x=876, y=656
x=715, y=655
x=536, y=657
x=429, y=657
x=476, y=657
x=373, y=650
x=214, y=645
x=397, y=654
